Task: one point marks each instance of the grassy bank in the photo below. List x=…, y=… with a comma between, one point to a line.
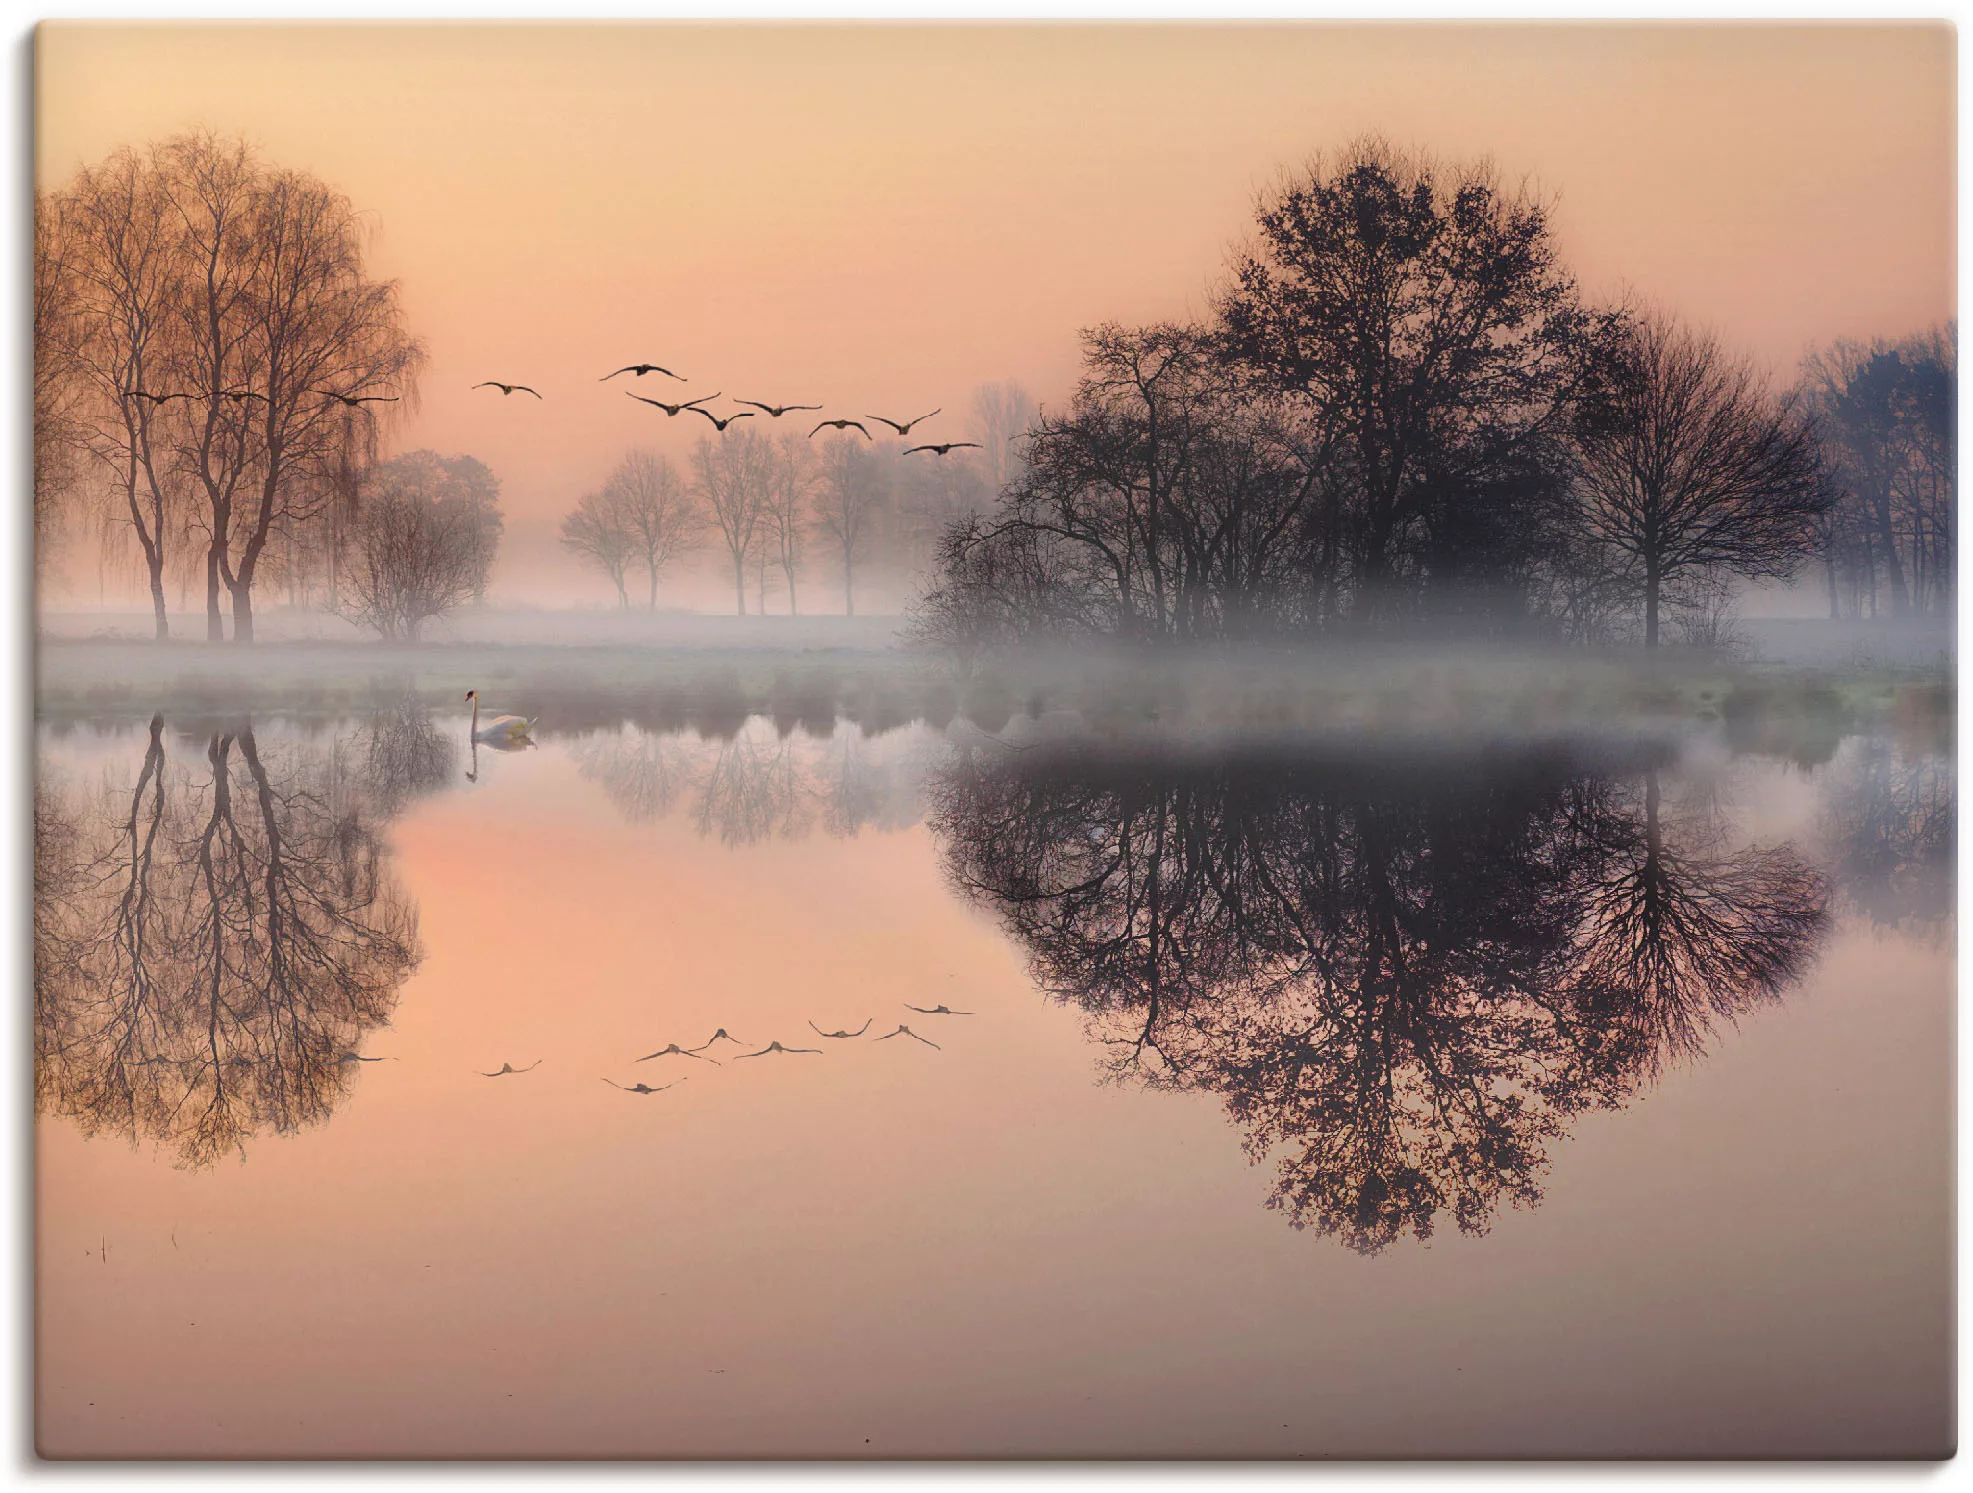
x=1378, y=691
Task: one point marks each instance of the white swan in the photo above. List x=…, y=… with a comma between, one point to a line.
x=508, y=732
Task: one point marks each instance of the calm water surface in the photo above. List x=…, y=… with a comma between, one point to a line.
x=1304, y=1103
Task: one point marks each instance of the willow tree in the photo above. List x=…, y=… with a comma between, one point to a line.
x=278, y=324
x=223, y=347
x=106, y=283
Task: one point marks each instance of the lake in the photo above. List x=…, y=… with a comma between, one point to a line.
x=1331, y=1098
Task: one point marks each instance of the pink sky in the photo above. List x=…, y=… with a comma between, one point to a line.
x=880, y=217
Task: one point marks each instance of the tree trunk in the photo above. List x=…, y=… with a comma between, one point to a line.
x=654, y=588
x=1652, y=585
x=242, y=590
x=215, y=622
x=849, y=585
x=788, y=571
x=739, y=584
x=157, y=597
x=1880, y=513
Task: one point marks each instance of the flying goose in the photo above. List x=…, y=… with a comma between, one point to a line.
x=357, y=401
x=722, y=424
x=856, y=425
x=905, y=428
x=839, y=1035
x=671, y=409
x=494, y=383
x=675, y=1049
x=640, y=369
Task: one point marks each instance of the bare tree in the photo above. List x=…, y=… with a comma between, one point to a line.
x=114, y=234
x=1417, y=313
x=597, y=533
x=1886, y=413
x=732, y=476
x=850, y=490
x=57, y=429
x=1686, y=464
x=418, y=550
x=790, y=479
x=1002, y=413
x=651, y=503
x=274, y=318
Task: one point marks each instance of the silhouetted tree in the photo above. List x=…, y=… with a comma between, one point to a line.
x=1418, y=314
x=1686, y=465
x=1888, y=415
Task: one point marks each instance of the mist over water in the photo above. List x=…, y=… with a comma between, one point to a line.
x=1332, y=1021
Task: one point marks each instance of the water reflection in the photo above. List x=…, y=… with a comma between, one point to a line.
x=1889, y=815
x=213, y=942
x=759, y=781
x=1403, y=979
x=1403, y=982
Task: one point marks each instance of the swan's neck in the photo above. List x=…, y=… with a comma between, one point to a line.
x=476, y=715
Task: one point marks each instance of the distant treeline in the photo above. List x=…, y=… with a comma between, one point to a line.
x=774, y=508
x=1402, y=416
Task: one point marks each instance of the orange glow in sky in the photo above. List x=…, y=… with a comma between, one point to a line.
x=880, y=217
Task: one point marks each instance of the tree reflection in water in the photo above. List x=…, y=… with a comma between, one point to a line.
x=755, y=782
x=1889, y=815
x=1402, y=983
x=211, y=940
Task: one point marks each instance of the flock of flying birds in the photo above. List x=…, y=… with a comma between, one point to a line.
x=249, y=396
x=638, y=370
x=698, y=1053
x=772, y=411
